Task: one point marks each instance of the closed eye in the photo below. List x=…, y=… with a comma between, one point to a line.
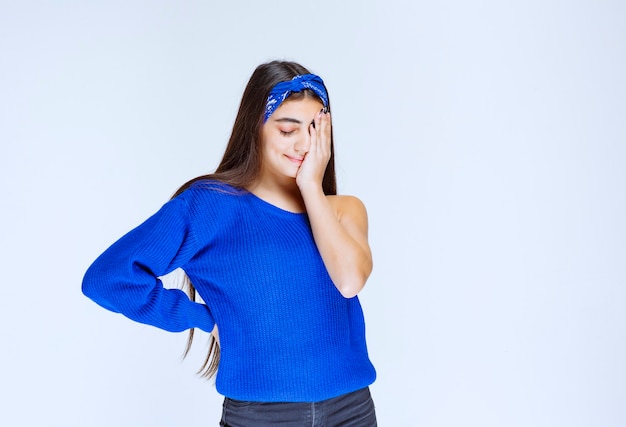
x=286, y=133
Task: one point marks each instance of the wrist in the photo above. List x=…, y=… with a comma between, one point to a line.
x=311, y=189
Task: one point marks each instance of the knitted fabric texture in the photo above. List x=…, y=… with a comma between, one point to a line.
x=286, y=333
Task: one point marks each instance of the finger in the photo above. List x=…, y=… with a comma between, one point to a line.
x=324, y=131
x=321, y=124
x=313, y=133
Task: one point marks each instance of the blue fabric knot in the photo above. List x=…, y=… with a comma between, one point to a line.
x=282, y=90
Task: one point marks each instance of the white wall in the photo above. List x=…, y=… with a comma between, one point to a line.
x=486, y=138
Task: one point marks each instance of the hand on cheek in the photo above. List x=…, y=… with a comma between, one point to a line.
x=312, y=169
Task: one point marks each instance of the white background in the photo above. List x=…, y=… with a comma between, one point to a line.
x=487, y=139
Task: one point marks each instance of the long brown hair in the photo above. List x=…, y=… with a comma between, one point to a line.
x=241, y=163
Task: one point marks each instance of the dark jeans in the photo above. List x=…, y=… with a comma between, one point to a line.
x=354, y=409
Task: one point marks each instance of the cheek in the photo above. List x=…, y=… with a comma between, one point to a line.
x=281, y=142
x=272, y=146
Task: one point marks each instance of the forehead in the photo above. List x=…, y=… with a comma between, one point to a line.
x=304, y=108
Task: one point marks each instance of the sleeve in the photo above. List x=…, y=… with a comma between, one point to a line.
x=124, y=279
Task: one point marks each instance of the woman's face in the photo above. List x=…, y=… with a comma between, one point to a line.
x=285, y=138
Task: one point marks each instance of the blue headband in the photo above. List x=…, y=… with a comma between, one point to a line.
x=282, y=90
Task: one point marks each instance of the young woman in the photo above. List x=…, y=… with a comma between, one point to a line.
x=277, y=257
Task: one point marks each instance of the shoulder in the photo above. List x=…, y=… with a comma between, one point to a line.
x=210, y=200
x=348, y=207
x=209, y=190
x=213, y=186
x=210, y=206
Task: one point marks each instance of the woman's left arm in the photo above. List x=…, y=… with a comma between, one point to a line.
x=339, y=223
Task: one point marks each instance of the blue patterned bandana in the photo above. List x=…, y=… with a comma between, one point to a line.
x=282, y=90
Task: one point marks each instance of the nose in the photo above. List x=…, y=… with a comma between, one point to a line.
x=302, y=145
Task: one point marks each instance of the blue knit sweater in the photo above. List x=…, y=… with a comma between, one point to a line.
x=286, y=333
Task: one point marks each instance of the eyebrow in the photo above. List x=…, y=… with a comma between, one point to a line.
x=292, y=120
x=288, y=119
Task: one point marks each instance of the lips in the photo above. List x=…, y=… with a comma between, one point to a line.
x=296, y=160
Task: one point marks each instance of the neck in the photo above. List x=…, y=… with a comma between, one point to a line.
x=285, y=195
